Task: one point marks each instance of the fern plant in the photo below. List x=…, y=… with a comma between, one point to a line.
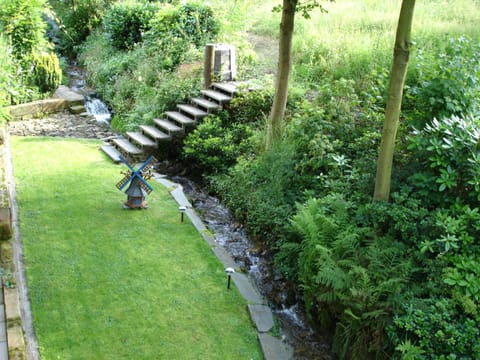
x=352, y=280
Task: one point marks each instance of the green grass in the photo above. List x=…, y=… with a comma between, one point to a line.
x=108, y=283
x=353, y=36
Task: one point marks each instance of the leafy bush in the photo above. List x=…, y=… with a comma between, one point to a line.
x=447, y=161
x=125, y=22
x=47, y=74
x=351, y=279
x=262, y=192
x=435, y=328
x=77, y=20
x=445, y=83
x=215, y=146
x=192, y=22
x=22, y=22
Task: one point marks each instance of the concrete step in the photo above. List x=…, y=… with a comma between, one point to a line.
x=226, y=88
x=140, y=139
x=193, y=111
x=124, y=145
x=207, y=105
x=154, y=133
x=171, y=128
x=180, y=118
x=112, y=152
x=217, y=96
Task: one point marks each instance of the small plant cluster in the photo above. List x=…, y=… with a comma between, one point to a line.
x=29, y=69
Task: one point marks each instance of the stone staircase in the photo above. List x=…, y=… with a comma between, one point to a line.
x=137, y=145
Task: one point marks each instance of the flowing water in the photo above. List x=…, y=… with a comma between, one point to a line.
x=94, y=106
x=258, y=263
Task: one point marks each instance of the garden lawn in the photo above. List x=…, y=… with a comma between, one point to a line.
x=108, y=283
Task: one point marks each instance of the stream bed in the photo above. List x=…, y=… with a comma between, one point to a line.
x=308, y=344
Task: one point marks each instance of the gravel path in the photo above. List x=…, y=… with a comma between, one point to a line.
x=62, y=124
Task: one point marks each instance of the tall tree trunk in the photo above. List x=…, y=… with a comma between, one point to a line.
x=274, y=128
x=401, y=55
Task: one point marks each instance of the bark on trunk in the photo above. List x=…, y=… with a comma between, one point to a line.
x=395, y=94
x=274, y=128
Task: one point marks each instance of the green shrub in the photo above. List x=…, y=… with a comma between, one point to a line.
x=47, y=74
x=351, y=279
x=77, y=20
x=446, y=161
x=446, y=83
x=22, y=22
x=434, y=328
x=262, y=192
x=125, y=22
x=214, y=145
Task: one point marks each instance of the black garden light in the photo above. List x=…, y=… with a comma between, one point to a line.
x=229, y=272
x=182, y=210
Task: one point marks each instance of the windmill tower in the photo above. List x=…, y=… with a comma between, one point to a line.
x=138, y=187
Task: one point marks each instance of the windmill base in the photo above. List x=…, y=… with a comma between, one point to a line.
x=135, y=204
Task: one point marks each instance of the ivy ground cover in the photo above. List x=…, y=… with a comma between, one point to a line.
x=108, y=283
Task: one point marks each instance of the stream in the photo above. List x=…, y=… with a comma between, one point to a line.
x=257, y=261
x=308, y=344
x=94, y=106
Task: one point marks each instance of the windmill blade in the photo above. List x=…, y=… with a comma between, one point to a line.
x=145, y=187
x=130, y=166
x=121, y=184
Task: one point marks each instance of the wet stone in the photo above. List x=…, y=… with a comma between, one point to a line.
x=262, y=317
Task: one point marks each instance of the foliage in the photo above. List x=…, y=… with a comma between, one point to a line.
x=217, y=142
x=125, y=22
x=137, y=84
x=23, y=26
x=447, y=160
x=262, y=192
x=214, y=145
x=46, y=74
x=22, y=22
x=446, y=83
x=174, y=29
x=350, y=278
x=436, y=329
x=77, y=20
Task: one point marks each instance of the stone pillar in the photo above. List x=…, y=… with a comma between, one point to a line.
x=225, y=68
x=208, y=65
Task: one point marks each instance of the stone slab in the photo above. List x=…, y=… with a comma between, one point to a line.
x=12, y=305
x=37, y=108
x=3, y=350
x=262, y=317
x=246, y=288
x=275, y=349
x=71, y=97
x=15, y=337
x=224, y=257
x=2, y=313
x=3, y=331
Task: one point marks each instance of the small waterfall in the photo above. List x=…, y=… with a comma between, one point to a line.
x=98, y=109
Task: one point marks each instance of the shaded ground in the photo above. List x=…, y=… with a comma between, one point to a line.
x=266, y=49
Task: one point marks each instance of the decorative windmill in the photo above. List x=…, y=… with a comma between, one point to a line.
x=138, y=188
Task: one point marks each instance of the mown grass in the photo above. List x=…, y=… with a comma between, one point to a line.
x=107, y=283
